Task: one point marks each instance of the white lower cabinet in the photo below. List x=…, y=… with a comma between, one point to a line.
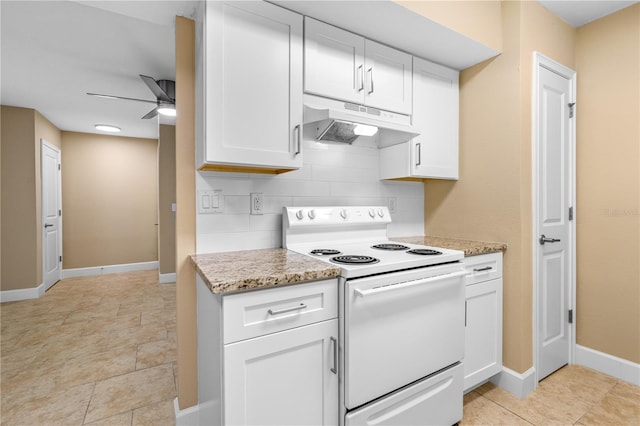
x=483, y=319
x=286, y=378
x=268, y=357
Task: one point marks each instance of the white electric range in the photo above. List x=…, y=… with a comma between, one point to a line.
x=401, y=316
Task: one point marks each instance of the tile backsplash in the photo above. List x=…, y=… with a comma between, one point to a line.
x=332, y=174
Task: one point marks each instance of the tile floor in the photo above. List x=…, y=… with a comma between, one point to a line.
x=573, y=395
x=102, y=350
x=92, y=350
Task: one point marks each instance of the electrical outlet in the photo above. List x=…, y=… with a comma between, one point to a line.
x=392, y=204
x=257, y=203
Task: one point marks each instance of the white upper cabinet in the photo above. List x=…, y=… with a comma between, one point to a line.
x=253, y=87
x=434, y=153
x=334, y=62
x=342, y=65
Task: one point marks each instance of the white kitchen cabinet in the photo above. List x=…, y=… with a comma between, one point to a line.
x=434, y=153
x=483, y=319
x=345, y=66
x=284, y=378
x=268, y=357
x=253, y=88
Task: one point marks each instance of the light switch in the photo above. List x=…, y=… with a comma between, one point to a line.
x=210, y=202
x=174, y=207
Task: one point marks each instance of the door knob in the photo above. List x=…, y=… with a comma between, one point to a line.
x=48, y=225
x=544, y=239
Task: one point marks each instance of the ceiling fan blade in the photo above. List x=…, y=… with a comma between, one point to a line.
x=155, y=88
x=99, y=95
x=150, y=114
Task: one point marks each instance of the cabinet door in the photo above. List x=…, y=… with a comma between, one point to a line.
x=285, y=378
x=483, y=332
x=387, y=78
x=253, y=85
x=435, y=114
x=334, y=62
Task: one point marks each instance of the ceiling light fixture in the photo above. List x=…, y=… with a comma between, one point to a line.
x=167, y=109
x=108, y=128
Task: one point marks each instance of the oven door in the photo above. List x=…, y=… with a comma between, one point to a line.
x=400, y=327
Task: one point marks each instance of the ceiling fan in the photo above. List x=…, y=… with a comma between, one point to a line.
x=164, y=90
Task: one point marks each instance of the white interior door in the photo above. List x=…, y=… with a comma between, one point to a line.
x=554, y=152
x=51, y=215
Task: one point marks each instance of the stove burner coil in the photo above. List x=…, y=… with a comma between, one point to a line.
x=353, y=259
x=390, y=246
x=424, y=252
x=325, y=252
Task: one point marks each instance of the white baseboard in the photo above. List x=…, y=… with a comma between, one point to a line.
x=608, y=364
x=22, y=294
x=109, y=269
x=188, y=416
x=167, y=278
x=518, y=384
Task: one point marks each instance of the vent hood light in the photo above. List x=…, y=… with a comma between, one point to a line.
x=107, y=128
x=365, y=130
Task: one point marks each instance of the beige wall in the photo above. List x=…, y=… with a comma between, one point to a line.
x=109, y=200
x=19, y=256
x=166, y=197
x=477, y=19
x=186, y=215
x=608, y=185
x=492, y=199
x=22, y=130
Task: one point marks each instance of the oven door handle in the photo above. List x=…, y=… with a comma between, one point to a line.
x=393, y=287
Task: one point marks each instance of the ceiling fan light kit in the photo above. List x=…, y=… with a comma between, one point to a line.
x=164, y=91
x=167, y=109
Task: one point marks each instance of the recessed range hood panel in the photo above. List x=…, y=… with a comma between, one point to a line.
x=393, y=128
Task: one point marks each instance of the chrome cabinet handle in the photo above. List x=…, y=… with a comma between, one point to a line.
x=297, y=129
x=48, y=225
x=418, y=154
x=486, y=268
x=334, y=342
x=544, y=239
x=361, y=74
x=284, y=311
x=370, y=80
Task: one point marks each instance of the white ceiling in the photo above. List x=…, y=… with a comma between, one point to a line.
x=53, y=52
x=580, y=12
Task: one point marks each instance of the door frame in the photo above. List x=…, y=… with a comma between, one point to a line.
x=539, y=60
x=44, y=143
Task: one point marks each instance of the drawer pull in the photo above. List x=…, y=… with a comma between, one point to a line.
x=486, y=268
x=284, y=311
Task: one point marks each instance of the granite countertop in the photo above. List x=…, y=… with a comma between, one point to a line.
x=252, y=269
x=469, y=247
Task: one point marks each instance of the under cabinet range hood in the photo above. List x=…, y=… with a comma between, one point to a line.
x=339, y=121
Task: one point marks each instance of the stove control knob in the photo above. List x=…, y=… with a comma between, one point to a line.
x=300, y=214
x=380, y=212
x=372, y=213
x=312, y=214
x=344, y=214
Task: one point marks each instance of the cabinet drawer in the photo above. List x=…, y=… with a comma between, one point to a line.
x=483, y=267
x=261, y=312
